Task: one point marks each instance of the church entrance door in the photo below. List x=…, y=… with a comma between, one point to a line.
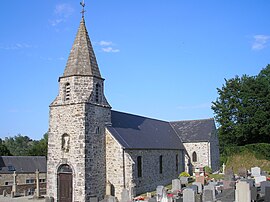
x=64, y=183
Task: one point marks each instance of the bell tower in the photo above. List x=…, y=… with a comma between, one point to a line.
x=76, y=167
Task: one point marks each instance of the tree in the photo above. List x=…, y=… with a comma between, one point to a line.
x=4, y=150
x=18, y=145
x=242, y=109
x=39, y=148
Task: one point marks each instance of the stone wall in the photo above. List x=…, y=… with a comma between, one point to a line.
x=122, y=167
x=202, y=150
x=77, y=137
x=21, y=178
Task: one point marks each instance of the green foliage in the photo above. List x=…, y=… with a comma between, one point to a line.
x=18, y=145
x=39, y=148
x=4, y=150
x=207, y=169
x=242, y=110
x=24, y=146
x=184, y=174
x=260, y=151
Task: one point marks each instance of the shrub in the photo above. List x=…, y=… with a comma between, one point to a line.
x=184, y=174
x=207, y=169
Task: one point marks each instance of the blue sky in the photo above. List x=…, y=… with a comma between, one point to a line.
x=161, y=59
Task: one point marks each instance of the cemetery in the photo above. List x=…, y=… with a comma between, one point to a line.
x=246, y=185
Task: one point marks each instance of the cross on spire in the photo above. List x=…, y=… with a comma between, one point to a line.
x=83, y=5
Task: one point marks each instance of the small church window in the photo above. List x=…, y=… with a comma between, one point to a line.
x=160, y=164
x=176, y=162
x=194, y=156
x=97, y=130
x=67, y=91
x=97, y=95
x=139, y=166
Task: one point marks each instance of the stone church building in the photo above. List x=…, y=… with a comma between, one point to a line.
x=91, y=146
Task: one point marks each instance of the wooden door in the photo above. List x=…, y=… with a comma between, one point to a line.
x=65, y=187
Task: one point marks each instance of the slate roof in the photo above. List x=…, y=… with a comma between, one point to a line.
x=82, y=60
x=194, y=130
x=22, y=164
x=137, y=132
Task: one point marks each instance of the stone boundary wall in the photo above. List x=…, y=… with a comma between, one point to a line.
x=24, y=187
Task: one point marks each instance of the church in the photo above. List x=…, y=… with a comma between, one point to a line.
x=91, y=146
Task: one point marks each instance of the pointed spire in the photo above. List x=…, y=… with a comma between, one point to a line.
x=82, y=60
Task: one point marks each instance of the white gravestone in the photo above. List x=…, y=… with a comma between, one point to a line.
x=255, y=171
x=199, y=185
x=242, y=192
x=176, y=185
x=188, y=195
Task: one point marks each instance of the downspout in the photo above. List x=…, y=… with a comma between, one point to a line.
x=124, y=168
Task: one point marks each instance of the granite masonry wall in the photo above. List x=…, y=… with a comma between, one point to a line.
x=77, y=137
x=122, y=167
x=202, y=150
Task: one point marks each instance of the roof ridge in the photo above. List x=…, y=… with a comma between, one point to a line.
x=192, y=120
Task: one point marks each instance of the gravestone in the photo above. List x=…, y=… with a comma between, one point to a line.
x=242, y=172
x=208, y=195
x=229, y=181
x=212, y=188
x=188, y=195
x=267, y=194
x=259, y=179
x=199, y=185
x=264, y=184
x=254, y=193
x=176, y=185
x=152, y=199
x=161, y=194
x=256, y=171
x=4, y=193
x=242, y=192
x=184, y=180
x=93, y=199
x=194, y=188
x=49, y=199
x=125, y=197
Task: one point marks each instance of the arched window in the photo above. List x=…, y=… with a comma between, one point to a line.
x=176, y=162
x=97, y=94
x=160, y=164
x=194, y=156
x=139, y=166
x=67, y=91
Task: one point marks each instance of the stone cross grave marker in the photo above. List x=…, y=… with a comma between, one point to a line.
x=188, y=195
x=259, y=179
x=255, y=171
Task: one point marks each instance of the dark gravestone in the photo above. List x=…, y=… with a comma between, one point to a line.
x=264, y=185
x=229, y=181
x=242, y=172
x=253, y=191
x=208, y=195
x=267, y=194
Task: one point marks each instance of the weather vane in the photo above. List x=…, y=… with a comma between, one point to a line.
x=83, y=5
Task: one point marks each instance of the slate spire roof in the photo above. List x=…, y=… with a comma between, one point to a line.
x=82, y=60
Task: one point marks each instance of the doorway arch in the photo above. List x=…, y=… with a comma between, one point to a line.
x=64, y=183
